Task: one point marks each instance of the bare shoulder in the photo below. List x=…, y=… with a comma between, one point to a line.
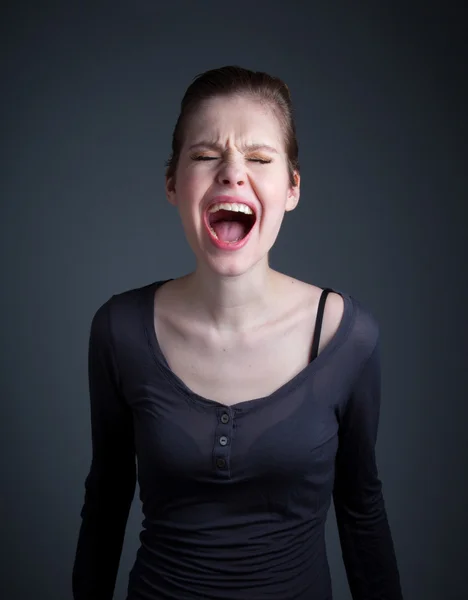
x=308, y=296
x=332, y=315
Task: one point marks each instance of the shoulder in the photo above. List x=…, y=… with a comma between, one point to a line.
x=364, y=331
x=333, y=313
x=118, y=308
x=334, y=304
x=366, y=328
x=308, y=297
x=343, y=308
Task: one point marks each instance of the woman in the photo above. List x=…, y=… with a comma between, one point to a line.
x=249, y=399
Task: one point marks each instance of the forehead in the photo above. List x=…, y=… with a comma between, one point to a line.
x=234, y=119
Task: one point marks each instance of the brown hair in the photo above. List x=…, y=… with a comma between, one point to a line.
x=233, y=80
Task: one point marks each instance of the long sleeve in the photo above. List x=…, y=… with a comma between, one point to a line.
x=111, y=481
x=366, y=541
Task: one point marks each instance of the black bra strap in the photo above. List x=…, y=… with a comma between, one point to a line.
x=318, y=322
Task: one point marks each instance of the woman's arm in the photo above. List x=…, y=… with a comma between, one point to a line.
x=110, y=484
x=366, y=541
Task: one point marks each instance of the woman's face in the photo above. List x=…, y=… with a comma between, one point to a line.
x=233, y=152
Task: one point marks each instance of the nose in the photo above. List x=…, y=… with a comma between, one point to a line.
x=231, y=173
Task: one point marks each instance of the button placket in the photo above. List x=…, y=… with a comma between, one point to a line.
x=222, y=442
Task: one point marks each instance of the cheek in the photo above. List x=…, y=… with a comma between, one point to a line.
x=275, y=180
x=274, y=194
x=192, y=186
x=189, y=196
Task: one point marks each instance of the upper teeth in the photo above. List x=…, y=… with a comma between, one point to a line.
x=236, y=207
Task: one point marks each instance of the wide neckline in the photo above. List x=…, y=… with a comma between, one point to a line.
x=160, y=360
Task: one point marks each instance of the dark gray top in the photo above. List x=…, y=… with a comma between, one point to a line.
x=234, y=498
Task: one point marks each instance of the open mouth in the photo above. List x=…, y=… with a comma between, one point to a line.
x=230, y=226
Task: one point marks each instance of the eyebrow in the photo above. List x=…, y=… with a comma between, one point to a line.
x=249, y=147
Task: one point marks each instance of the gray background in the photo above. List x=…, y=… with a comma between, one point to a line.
x=90, y=94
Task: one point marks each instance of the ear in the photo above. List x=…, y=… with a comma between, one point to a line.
x=294, y=193
x=170, y=190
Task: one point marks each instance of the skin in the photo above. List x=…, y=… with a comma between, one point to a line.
x=233, y=290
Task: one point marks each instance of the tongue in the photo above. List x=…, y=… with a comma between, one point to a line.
x=229, y=231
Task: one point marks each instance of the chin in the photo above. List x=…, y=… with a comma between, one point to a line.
x=233, y=266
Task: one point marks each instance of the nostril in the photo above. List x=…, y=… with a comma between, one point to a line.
x=227, y=182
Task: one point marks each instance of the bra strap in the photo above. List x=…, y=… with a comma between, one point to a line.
x=318, y=322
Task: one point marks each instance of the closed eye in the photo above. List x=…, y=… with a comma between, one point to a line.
x=261, y=161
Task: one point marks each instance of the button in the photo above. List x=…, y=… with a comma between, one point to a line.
x=224, y=418
x=221, y=463
x=223, y=440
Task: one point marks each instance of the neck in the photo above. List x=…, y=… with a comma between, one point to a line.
x=232, y=304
